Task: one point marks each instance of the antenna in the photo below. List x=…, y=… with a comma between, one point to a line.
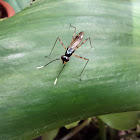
x=47, y=63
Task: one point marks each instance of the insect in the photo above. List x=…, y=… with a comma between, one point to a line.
x=74, y=45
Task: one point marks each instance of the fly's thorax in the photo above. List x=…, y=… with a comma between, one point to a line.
x=69, y=51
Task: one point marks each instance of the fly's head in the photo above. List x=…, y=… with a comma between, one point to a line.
x=65, y=59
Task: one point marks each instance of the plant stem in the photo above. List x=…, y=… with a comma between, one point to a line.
x=76, y=130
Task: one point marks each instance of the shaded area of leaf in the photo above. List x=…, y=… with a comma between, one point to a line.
x=121, y=121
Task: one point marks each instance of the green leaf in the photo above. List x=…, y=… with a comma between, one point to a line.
x=30, y=104
x=19, y=5
x=50, y=135
x=121, y=121
x=68, y=126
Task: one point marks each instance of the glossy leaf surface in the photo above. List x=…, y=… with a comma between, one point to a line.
x=30, y=104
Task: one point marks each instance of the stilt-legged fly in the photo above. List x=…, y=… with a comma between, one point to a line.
x=74, y=45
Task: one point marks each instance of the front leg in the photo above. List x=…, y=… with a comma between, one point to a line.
x=55, y=43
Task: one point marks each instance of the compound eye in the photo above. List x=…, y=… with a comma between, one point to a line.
x=67, y=59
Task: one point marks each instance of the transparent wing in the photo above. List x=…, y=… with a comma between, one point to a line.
x=76, y=41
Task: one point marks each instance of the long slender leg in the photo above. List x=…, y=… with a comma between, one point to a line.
x=47, y=63
x=84, y=59
x=84, y=42
x=55, y=43
x=59, y=74
x=74, y=32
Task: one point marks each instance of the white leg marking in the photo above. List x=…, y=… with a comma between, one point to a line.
x=40, y=67
x=55, y=81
